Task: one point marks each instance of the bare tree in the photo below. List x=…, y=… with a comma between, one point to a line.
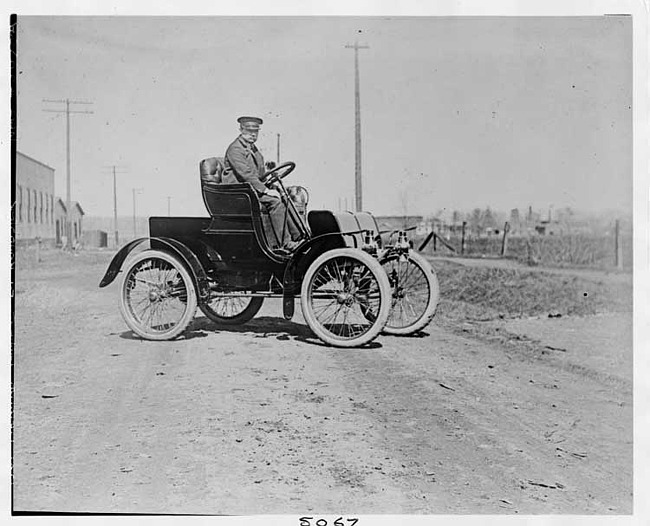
x=476, y=221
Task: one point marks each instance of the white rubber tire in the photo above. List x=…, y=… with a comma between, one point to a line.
x=130, y=317
x=433, y=298
x=384, y=294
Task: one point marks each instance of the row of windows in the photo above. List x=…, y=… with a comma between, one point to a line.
x=35, y=207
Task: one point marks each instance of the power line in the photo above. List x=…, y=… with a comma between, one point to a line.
x=357, y=128
x=68, y=193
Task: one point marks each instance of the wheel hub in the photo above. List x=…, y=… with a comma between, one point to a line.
x=154, y=295
x=345, y=298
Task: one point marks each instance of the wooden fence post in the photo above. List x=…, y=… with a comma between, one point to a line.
x=618, y=249
x=426, y=241
x=462, y=239
x=504, y=242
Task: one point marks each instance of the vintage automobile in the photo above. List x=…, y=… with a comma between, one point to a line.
x=351, y=284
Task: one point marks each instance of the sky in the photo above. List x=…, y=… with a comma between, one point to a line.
x=456, y=112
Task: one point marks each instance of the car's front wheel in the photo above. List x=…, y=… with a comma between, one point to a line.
x=345, y=297
x=415, y=293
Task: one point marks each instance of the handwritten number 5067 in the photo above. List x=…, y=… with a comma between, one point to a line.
x=306, y=521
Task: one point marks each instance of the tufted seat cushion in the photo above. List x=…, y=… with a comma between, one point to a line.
x=211, y=170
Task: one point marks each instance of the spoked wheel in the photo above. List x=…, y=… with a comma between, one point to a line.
x=232, y=310
x=158, y=298
x=415, y=293
x=337, y=289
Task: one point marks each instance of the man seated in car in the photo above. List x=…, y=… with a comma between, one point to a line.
x=244, y=163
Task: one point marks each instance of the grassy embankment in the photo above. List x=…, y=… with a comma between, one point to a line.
x=492, y=293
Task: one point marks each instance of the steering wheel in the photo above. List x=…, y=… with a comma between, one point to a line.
x=272, y=175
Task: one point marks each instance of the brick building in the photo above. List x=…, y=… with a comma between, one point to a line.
x=34, y=212
x=38, y=213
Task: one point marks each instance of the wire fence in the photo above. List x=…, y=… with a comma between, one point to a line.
x=577, y=250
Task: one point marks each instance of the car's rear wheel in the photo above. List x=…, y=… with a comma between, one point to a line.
x=232, y=310
x=415, y=293
x=339, y=286
x=158, y=299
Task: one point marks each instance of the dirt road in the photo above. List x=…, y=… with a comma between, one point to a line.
x=264, y=419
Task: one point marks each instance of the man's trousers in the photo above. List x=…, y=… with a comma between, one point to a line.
x=284, y=228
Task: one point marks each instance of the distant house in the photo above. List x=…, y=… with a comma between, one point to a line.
x=549, y=228
x=426, y=226
x=76, y=217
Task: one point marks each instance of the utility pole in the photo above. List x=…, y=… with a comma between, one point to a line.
x=618, y=248
x=462, y=239
x=169, y=206
x=135, y=191
x=68, y=192
x=117, y=241
x=278, y=148
x=114, y=171
x=357, y=128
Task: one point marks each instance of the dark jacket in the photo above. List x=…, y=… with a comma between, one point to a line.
x=244, y=163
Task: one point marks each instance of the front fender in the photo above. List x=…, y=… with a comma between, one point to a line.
x=189, y=259
x=302, y=258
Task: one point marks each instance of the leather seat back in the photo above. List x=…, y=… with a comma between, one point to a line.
x=211, y=170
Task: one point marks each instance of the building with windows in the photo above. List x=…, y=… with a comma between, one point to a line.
x=38, y=213
x=76, y=216
x=34, y=208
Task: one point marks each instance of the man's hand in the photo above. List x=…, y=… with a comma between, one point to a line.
x=272, y=192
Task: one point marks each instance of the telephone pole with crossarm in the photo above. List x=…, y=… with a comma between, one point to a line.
x=115, y=172
x=68, y=192
x=357, y=129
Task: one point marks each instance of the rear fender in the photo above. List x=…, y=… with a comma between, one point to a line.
x=117, y=261
x=189, y=259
